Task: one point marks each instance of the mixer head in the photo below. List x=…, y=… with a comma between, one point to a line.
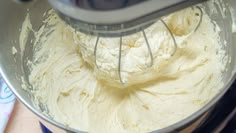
x=109, y=18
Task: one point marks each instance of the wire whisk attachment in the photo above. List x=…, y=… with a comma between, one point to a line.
x=150, y=64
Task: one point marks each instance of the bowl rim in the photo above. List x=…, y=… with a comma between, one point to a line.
x=176, y=126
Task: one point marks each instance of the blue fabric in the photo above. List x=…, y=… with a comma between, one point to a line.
x=44, y=129
x=7, y=101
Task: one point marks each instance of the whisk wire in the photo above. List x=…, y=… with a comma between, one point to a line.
x=119, y=62
x=149, y=48
x=201, y=17
x=95, y=51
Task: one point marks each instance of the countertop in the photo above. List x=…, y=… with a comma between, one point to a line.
x=23, y=120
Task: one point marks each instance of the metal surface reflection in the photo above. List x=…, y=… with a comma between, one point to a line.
x=104, y=4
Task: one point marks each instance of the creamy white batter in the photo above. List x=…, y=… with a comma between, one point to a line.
x=89, y=98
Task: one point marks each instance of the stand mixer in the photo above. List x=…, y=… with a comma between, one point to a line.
x=118, y=18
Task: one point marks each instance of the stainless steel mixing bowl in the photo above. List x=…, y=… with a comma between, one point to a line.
x=13, y=67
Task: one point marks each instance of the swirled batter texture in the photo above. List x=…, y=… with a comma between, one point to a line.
x=89, y=96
